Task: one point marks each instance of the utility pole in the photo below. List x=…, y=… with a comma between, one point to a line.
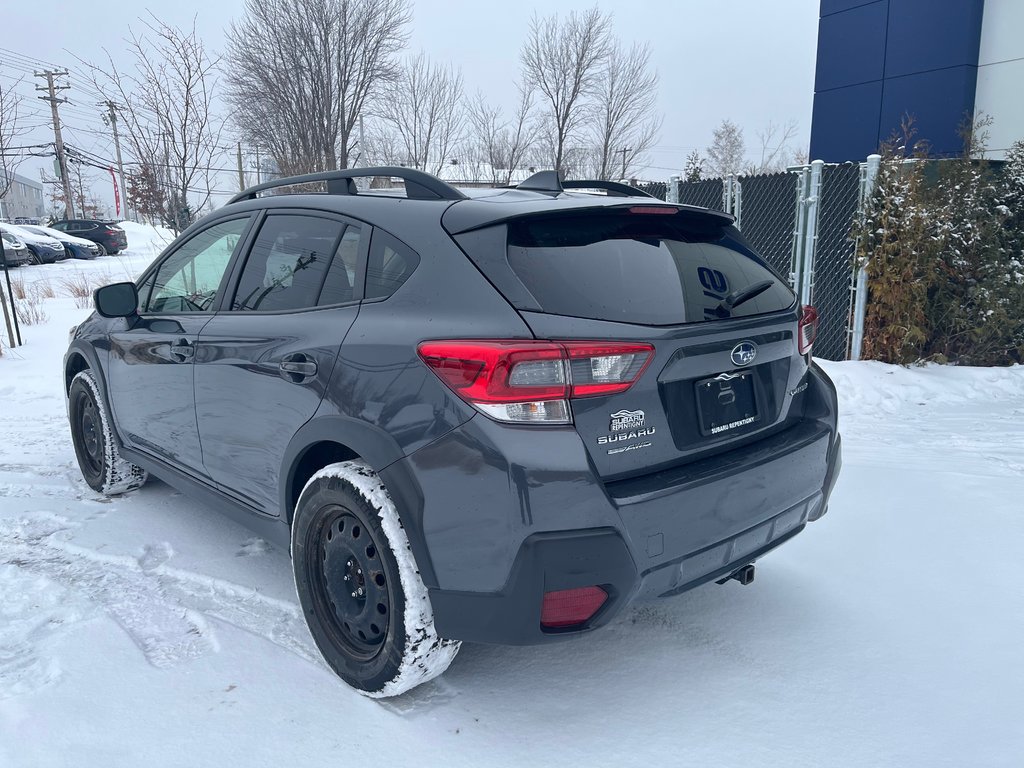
x=241, y=173
x=624, y=150
x=112, y=108
x=259, y=173
x=51, y=89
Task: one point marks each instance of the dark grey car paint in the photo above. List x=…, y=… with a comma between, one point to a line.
x=470, y=491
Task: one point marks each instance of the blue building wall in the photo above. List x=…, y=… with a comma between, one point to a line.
x=881, y=60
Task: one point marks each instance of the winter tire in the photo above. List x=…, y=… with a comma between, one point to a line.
x=98, y=456
x=357, y=581
x=103, y=250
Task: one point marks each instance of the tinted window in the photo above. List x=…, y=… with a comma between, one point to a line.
x=640, y=268
x=188, y=279
x=288, y=263
x=389, y=265
x=63, y=226
x=339, y=286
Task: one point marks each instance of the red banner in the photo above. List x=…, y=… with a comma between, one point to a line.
x=117, y=193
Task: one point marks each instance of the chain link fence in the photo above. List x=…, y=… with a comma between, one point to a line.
x=832, y=271
x=704, y=194
x=800, y=221
x=767, y=216
x=658, y=189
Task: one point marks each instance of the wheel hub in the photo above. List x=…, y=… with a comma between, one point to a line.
x=92, y=443
x=354, y=584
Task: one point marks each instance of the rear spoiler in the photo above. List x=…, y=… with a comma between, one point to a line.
x=467, y=215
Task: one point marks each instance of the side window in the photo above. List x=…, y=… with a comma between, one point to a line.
x=339, y=286
x=390, y=264
x=188, y=279
x=287, y=264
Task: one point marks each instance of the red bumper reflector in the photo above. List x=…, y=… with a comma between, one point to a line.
x=570, y=607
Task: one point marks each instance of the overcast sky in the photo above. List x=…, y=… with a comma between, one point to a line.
x=748, y=60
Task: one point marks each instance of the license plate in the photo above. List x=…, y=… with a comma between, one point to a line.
x=726, y=403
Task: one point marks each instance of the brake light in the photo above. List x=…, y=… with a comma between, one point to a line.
x=571, y=607
x=533, y=381
x=807, y=329
x=654, y=209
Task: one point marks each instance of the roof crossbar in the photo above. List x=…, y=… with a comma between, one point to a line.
x=418, y=185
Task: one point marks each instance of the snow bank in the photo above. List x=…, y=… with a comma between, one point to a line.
x=869, y=386
x=145, y=239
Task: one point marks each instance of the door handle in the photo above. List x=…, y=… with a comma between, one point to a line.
x=297, y=368
x=182, y=351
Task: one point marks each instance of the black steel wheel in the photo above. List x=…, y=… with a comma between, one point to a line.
x=350, y=583
x=98, y=457
x=356, y=577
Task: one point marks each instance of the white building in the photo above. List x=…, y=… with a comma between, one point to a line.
x=24, y=199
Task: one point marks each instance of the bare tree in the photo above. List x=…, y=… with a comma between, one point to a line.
x=301, y=74
x=11, y=129
x=167, y=105
x=423, y=106
x=499, y=146
x=563, y=60
x=727, y=151
x=775, y=153
x=626, y=101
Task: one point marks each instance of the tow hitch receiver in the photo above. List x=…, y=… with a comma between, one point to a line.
x=744, y=575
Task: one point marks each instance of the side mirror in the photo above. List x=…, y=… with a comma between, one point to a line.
x=117, y=300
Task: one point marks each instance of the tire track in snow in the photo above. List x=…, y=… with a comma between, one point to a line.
x=162, y=609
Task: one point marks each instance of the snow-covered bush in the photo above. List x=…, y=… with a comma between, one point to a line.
x=943, y=241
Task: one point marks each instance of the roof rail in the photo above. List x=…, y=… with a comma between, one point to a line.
x=552, y=182
x=612, y=187
x=418, y=185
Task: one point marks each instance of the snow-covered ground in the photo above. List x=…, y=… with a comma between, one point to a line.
x=150, y=631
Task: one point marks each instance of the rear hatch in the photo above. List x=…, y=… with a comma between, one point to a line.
x=721, y=327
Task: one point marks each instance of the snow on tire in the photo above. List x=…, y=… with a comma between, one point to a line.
x=360, y=590
x=95, y=447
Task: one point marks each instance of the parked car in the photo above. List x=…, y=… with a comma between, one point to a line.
x=77, y=247
x=16, y=252
x=499, y=419
x=105, y=233
x=44, y=249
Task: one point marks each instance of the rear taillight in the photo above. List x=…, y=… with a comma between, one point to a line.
x=807, y=329
x=571, y=607
x=533, y=381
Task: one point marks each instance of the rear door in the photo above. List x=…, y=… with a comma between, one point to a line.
x=720, y=323
x=265, y=360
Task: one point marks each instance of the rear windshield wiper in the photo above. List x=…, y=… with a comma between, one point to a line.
x=741, y=295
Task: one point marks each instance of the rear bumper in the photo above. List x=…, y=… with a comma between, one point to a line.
x=14, y=258
x=499, y=529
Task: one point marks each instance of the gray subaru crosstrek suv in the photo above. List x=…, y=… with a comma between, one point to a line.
x=499, y=418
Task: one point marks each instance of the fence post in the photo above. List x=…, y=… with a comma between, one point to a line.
x=869, y=171
x=737, y=203
x=796, y=257
x=672, y=194
x=811, y=233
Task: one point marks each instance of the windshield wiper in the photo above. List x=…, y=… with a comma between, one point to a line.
x=742, y=295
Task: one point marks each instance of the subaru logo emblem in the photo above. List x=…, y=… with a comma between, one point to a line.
x=744, y=353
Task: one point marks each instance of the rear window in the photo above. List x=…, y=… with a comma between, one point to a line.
x=641, y=268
